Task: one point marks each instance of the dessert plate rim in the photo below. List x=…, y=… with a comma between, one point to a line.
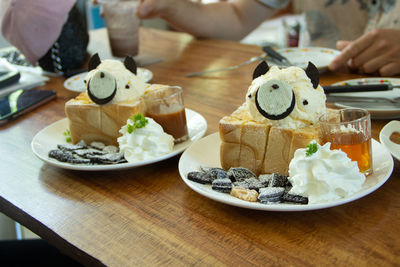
x=191, y=160
x=48, y=138
x=384, y=137
x=323, y=56
x=75, y=83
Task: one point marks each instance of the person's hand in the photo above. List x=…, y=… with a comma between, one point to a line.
x=375, y=51
x=152, y=8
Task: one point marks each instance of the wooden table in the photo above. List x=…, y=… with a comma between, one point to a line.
x=148, y=216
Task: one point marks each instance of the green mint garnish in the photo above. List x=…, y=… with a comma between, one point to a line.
x=311, y=149
x=139, y=121
x=67, y=135
x=130, y=128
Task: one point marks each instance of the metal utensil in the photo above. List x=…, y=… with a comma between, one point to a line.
x=272, y=53
x=359, y=88
x=253, y=59
x=362, y=99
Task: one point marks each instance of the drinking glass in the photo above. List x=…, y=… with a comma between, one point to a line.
x=165, y=106
x=122, y=26
x=349, y=130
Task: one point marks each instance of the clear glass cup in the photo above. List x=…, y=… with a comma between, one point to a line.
x=165, y=106
x=350, y=131
x=122, y=26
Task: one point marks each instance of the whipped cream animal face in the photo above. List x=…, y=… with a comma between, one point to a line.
x=286, y=98
x=114, y=82
x=324, y=175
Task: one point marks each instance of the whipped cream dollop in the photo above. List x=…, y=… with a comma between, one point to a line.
x=325, y=175
x=144, y=143
x=129, y=86
x=310, y=101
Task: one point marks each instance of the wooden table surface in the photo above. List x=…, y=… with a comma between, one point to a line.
x=148, y=216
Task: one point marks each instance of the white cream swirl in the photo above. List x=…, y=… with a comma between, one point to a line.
x=325, y=175
x=310, y=101
x=145, y=143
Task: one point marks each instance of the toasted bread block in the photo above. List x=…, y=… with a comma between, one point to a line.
x=252, y=145
x=260, y=147
x=91, y=122
x=231, y=154
x=230, y=129
x=282, y=143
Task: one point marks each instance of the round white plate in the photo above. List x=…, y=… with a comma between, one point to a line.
x=384, y=137
x=49, y=137
x=75, y=83
x=378, y=110
x=300, y=56
x=205, y=152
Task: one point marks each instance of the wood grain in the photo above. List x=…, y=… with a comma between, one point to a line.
x=148, y=216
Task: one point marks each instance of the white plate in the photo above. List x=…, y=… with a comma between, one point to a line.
x=75, y=83
x=384, y=137
x=48, y=138
x=378, y=110
x=319, y=56
x=205, y=152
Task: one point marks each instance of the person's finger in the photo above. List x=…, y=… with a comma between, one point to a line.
x=146, y=8
x=353, y=49
x=341, y=44
x=373, y=64
x=390, y=69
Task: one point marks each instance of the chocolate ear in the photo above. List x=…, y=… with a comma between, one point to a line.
x=313, y=73
x=94, y=61
x=130, y=64
x=261, y=69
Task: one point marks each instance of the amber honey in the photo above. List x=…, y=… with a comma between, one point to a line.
x=356, y=146
x=172, y=123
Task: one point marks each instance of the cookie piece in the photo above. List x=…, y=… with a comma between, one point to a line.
x=110, y=149
x=250, y=183
x=97, y=145
x=199, y=177
x=107, y=158
x=216, y=173
x=270, y=194
x=71, y=147
x=67, y=156
x=294, y=198
x=278, y=180
x=204, y=168
x=88, y=151
x=223, y=185
x=244, y=194
x=237, y=174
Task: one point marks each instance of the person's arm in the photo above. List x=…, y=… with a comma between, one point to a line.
x=375, y=51
x=224, y=20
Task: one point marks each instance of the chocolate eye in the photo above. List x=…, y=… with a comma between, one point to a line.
x=101, y=74
x=305, y=102
x=84, y=81
x=275, y=86
x=127, y=86
x=249, y=96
